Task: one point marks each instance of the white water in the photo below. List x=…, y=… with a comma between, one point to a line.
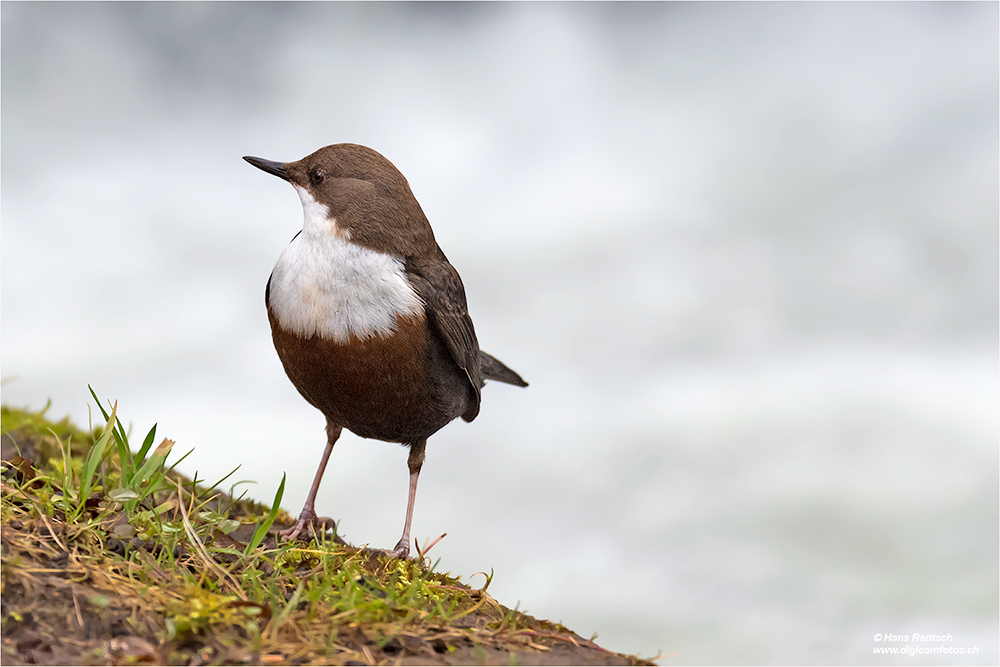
x=745, y=254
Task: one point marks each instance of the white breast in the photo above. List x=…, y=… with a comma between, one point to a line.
x=325, y=285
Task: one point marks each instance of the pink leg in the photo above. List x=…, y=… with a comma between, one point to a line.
x=307, y=517
x=415, y=461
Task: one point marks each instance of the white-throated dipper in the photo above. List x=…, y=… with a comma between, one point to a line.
x=368, y=316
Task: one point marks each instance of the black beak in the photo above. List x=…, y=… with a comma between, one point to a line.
x=276, y=168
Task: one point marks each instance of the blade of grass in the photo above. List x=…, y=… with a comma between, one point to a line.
x=121, y=440
x=130, y=473
x=265, y=525
x=67, y=473
x=178, y=461
x=124, y=453
x=155, y=460
x=146, y=444
x=90, y=463
x=118, y=429
x=93, y=459
x=99, y=406
x=211, y=488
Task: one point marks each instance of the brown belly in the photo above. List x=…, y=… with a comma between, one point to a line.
x=377, y=388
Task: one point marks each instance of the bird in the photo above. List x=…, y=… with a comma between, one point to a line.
x=368, y=316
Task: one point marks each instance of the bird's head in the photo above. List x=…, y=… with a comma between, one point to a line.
x=354, y=191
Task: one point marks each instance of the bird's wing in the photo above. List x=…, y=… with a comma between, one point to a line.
x=439, y=285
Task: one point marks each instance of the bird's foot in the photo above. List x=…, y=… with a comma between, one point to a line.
x=401, y=550
x=308, y=523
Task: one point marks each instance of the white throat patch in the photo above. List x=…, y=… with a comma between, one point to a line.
x=325, y=285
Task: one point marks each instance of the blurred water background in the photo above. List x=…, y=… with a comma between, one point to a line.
x=746, y=255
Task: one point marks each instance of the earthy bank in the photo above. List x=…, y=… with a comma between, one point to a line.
x=111, y=557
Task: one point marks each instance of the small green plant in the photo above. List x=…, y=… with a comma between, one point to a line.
x=139, y=476
x=76, y=492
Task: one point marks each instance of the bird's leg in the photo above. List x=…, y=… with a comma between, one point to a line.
x=415, y=461
x=307, y=517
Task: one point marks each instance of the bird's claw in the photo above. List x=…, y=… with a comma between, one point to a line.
x=401, y=550
x=307, y=522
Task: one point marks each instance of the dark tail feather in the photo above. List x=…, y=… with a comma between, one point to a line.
x=494, y=369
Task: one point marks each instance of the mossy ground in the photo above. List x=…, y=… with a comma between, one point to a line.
x=109, y=557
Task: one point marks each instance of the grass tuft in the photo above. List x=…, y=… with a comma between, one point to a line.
x=112, y=557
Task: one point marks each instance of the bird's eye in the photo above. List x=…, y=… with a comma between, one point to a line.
x=316, y=176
